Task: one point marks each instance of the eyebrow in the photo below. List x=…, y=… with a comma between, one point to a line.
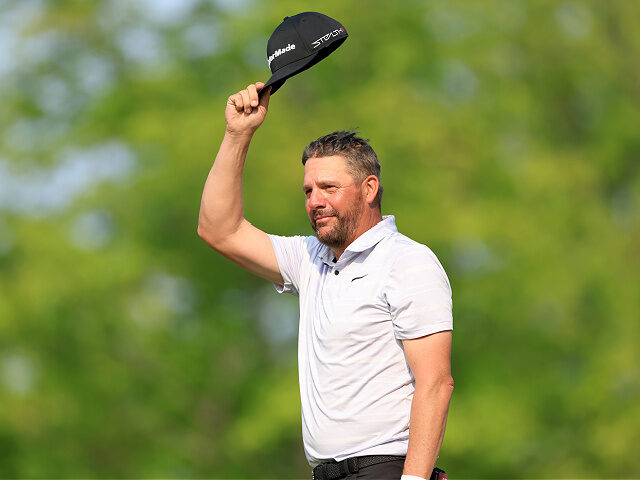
x=322, y=183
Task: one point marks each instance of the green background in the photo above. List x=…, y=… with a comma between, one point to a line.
x=509, y=137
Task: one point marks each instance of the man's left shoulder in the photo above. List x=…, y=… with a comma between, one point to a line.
x=406, y=250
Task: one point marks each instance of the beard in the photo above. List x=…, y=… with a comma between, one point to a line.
x=343, y=230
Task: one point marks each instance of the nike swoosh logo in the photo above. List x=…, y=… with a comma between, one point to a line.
x=357, y=278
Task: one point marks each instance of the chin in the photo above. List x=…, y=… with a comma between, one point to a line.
x=323, y=236
x=330, y=240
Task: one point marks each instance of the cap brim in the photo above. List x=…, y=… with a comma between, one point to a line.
x=279, y=77
x=288, y=71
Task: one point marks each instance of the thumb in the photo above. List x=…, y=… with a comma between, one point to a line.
x=264, y=97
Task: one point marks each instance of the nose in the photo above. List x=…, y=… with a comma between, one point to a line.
x=316, y=199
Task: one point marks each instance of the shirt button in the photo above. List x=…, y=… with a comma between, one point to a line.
x=337, y=272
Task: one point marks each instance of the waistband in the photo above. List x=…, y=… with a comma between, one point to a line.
x=336, y=470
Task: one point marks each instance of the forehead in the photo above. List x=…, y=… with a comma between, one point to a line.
x=321, y=167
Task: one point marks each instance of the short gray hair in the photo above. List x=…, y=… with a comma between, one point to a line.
x=360, y=158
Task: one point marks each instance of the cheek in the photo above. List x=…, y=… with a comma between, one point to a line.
x=339, y=202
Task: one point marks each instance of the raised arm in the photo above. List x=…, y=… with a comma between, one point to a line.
x=221, y=222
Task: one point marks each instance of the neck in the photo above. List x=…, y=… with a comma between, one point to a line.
x=369, y=220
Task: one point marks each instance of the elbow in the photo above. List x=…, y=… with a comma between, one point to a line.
x=202, y=232
x=446, y=390
x=217, y=229
x=215, y=237
x=206, y=234
x=445, y=385
x=439, y=386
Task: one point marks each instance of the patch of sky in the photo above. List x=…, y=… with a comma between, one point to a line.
x=255, y=54
x=474, y=257
x=37, y=49
x=234, y=6
x=141, y=45
x=166, y=12
x=55, y=96
x=94, y=73
x=92, y=230
x=13, y=20
x=278, y=316
x=40, y=191
x=20, y=13
x=177, y=293
x=162, y=297
x=459, y=82
x=201, y=39
x=8, y=60
x=32, y=135
x=109, y=16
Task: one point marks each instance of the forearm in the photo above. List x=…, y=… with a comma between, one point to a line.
x=221, y=208
x=429, y=410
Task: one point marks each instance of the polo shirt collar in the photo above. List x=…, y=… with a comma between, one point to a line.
x=368, y=239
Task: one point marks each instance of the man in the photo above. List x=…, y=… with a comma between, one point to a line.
x=375, y=306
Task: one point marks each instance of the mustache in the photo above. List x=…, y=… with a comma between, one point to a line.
x=322, y=213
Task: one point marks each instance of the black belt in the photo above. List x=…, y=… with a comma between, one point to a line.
x=348, y=466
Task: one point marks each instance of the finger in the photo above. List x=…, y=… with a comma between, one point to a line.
x=236, y=101
x=261, y=89
x=253, y=95
x=265, y=95
x=246, y=101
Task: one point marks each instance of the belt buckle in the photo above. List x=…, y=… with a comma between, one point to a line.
x=348, y=466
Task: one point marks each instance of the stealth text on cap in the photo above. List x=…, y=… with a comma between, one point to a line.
x=279, y=52
x=326, y=37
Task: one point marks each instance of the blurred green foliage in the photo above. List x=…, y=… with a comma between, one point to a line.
x=508, y=132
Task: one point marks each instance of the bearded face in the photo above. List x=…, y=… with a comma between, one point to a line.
x=334, y=201
x=336, y=229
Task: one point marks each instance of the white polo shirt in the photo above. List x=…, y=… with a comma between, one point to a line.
x=355, y=384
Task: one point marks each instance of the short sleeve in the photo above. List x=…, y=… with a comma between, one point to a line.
x=289, y=254
x=418, y=294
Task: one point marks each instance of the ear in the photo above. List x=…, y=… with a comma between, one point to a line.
x=370, y=187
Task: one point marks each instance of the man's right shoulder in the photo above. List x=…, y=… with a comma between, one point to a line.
x=306, y=244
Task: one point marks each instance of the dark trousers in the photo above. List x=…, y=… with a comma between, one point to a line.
x=382, y=471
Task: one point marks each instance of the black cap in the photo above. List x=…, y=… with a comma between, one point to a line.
x=300, y=42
